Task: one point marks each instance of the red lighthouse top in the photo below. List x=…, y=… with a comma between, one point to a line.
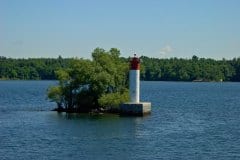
x=135, y=63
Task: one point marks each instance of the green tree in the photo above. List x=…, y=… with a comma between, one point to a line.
x=87, y=85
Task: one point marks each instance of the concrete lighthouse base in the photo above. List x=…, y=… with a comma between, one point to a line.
x=135, y=109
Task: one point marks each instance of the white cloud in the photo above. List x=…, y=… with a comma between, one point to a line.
x=166, y=50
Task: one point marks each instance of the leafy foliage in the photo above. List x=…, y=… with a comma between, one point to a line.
x=199, y=69
x=113, y=100
x=31, y=69
x=54, y=93
x=87, y=85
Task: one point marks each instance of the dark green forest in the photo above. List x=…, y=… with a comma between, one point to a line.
x=194, y=69
x=152, y=69
x=32, y=68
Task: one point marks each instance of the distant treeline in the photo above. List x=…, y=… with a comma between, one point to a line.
x=194, y=69
x=32, y=68
x=152, y=69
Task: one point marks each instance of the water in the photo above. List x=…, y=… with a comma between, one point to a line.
x=188, y=121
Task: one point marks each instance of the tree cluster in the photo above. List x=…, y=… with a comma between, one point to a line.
x=32, y=68
x=195, y=69
x=100, y=83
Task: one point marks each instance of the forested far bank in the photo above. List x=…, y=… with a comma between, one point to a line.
x=152, y=69
x=194, y=69
x=32, y=68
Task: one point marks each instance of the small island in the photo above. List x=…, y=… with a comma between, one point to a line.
x=97, y=85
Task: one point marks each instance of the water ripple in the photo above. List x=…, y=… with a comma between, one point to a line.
x=188, y=121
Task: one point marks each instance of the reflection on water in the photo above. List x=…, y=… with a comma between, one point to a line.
x=114, y=125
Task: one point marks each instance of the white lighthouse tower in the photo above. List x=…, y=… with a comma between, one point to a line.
x=135, y=107
x=134, y=79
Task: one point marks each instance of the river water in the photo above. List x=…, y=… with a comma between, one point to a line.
x=188, y=121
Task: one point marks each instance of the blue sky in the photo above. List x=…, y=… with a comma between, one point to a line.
x=155, y=28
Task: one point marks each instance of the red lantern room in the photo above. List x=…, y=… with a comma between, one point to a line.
x=135, y=63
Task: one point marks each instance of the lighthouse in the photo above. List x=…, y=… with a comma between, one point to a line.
x=135, y=107
x=134, y=79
